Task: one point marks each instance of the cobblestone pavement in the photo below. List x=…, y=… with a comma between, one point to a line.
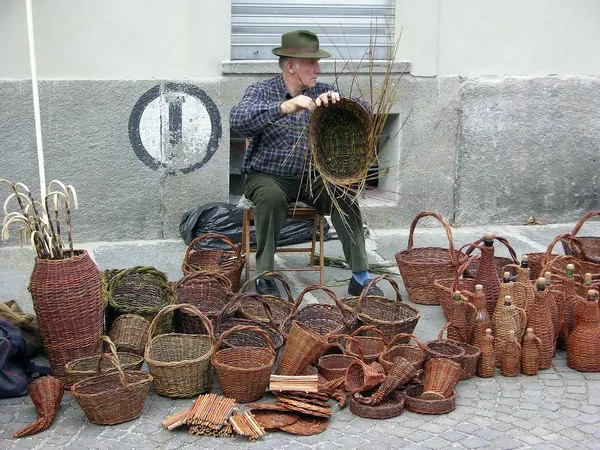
x=558, y=408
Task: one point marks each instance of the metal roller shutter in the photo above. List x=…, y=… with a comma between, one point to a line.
x=346, y=28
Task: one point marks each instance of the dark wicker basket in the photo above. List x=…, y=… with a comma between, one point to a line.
x=393, y=406
x=129, y=333
x=281, y=307
x=590, y=245
x=414, y=403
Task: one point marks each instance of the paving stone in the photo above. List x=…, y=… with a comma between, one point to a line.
x=453, y=435
x=418, y=436
x=435, y=443
x=505, y=443
x=474, y=442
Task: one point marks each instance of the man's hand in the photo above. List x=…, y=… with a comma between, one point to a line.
x=303, y=102
x=326, y=98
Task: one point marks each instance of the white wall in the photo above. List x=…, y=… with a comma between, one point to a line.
x=116, y=39
x=500, y=37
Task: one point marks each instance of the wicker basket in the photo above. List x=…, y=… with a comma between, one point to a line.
x=141, y=290
x=390, y=316
x=414, y=403
x=420, y=267
x=401, y=373
x=129, y=333
x=114, y=397
x=413, y=353
x=392, y=407
x=362, y=377
x=440, y=379
x=444, y=348
x=281, y=308
x=322, y=318
x=180, y=363
x=590, y=244
x=243, y=372
x=446, y=287
x=82, y=368
x=46, y=394
x=303, y=347
x=229, y=263
x=332, y=367
x=370, y=347
x=469, y=361
x=208, y=292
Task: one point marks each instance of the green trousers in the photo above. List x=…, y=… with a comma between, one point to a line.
x=272, y=195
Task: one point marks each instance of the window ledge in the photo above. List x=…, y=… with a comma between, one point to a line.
x=242, y=67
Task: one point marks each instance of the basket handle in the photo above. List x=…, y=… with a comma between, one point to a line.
x=161, y=277
x=371, y=328
x=373, y=282
x=410, y=337
x=349, y=338
x=329, y=292
x=111, y=346
x=240, y=328
x=572, y=240
x=579, y=224
x=441, y=333
x=224, y=238
x=459, y=272
x=500, y=239
x=446, y=228
x=268, y=273
x=197, y=277
x=186, y=308
x=237, y=299
x=115, y=362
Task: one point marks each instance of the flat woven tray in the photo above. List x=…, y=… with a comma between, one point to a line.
x=391, y=407
x=274, y=419
x=307, y=426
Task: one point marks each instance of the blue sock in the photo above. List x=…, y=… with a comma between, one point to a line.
x=361, y=277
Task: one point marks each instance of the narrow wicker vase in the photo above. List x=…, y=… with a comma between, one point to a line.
x=303, y=347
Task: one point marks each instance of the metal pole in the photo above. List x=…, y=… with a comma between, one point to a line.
x=36, y=100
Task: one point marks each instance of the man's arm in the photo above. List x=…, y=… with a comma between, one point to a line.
x=253, y=114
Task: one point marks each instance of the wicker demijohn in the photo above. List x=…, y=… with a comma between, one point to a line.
x=303, y=347
x=583, y=351
x=508, y=318
x=522, y=294
x=46, y=394
x=486, y=365
x=180, y=363
x=390, y=316
x=414, y=403
x=67, y=299
x=243, y=372
x=281, y=307
x=446, y=287
x=129, y=333
x=229, y=263
x=415, y=354
x=420, y=267
x=482, y=320
x=393, y=406
x=511, y=356
x=540, y=320
x=141, y=290
x=461, y=314
x=531, y=350
x=114, y=397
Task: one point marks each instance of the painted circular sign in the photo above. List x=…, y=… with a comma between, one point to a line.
x=175, y=126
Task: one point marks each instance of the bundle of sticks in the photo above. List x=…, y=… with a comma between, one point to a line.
x=302, y=383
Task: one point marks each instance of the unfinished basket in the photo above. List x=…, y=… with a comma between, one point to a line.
x=226, y=262
x=420, y=267
x=129, y=333
x=180, y=363
x=243, y=372
x=281, y=308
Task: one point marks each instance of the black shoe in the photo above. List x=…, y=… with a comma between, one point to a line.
x=267, y=287
x=354, y=288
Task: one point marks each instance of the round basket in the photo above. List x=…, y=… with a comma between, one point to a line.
x=281, y=308
x=141, y=290
x=229, y=263
x=440, y=378
x=469, y=360
x=444, y=348
x=114, y=397
x=180, y=363
x=390, y=316
x=243, y=372
x=370, y=347
x=420, y=267
x=393, y=406
x=82, y=368
x=415, y=354
x=590, y=245
x=129, y=333
x=208, y=292
x=333, y=367
x=414, y=403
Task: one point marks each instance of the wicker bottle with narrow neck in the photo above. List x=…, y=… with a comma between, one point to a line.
x=486, y=274
x=511, y=356
x=531, y=349
x=587, y=284
x=523, y=271
x=487, y=361
x=539, y=319
x=461, y=315
x=571, y=297
x=522, y=293
x=509, y=318
x=482, y=319
x=555, y=303
x=583, y=351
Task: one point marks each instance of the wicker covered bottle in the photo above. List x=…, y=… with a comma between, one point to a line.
x=531, y=351
x=486, y=274
x=571, y=297
x=539, y=319
x=461, y=315
x=482, y=320
x=508, y=318
x=487, y=361
x=583, y=351
x=555, y=304
x=511, y=356
x=523, y=271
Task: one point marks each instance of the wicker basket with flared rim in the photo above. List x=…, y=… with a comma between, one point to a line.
x=209, y=292
x=446, y=287
x=281, y=307
x=224, y=321
x=583, y=351
x=440, y=378
x=414, y=403
x=226, y=262
x=390, y=316
x=129, y=333
x=303, y=347
x=46, y=394
x=413, y=353
x=322, y=318
x=393, y=406
x=114, y=397
x=141, y=290
x=243, y=372
x=82, y=368
x=420, y=267
x=402, y=372
x=469, y=360
x=590, y=244
x=361, y=376
x=333, y=367
x=180, y=363
x=530, y=353
x=342, y=147
x=371, y=347
x=444, y=348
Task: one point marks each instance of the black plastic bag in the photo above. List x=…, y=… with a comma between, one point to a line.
x=226, y=219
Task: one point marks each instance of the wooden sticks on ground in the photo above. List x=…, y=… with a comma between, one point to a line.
x=302, y=383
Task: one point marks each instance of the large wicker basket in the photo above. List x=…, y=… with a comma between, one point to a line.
x=180, y=363
x=590, y=250
x=281, y=307
x=419, y=267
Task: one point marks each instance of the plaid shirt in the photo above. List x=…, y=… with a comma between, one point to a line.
x=278, y=142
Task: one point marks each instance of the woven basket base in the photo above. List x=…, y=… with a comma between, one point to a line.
x=307, y=426
x=431, y=395
x=390, y=407
x=274, y=419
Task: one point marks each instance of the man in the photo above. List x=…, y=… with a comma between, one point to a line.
x=274, y=115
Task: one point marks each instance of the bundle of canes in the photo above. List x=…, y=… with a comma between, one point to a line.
x=46, y=394
x=401, y=372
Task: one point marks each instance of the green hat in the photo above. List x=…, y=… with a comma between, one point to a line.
x=300, y=44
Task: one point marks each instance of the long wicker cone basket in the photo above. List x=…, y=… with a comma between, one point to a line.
x=46, y=394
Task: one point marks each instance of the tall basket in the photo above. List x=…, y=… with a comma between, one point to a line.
x=303, y=347
x=419, y=267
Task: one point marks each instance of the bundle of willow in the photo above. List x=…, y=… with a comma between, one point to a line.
x=245, y=425
x=303, y=383
x=211, y=410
